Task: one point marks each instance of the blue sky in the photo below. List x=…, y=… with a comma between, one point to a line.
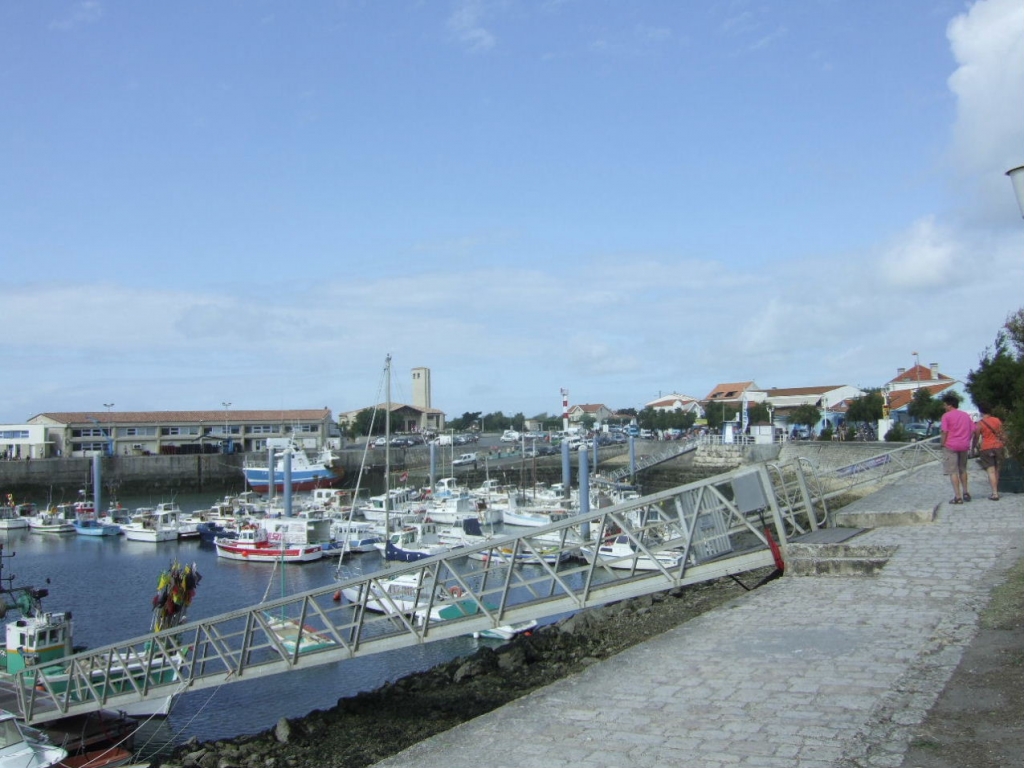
x=256, y=202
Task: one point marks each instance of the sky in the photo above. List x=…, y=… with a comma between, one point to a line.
x=256, y=202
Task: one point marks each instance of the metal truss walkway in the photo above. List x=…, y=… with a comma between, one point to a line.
x=673, y=450
x=729, y=524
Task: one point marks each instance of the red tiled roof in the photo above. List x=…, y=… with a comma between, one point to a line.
x=920, y=373
x=797, y=391
x=902, y=397
x=730, y=391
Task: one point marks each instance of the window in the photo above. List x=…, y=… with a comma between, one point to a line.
x=178, y=431
x=90, y=432
x=261, y=429
x=97, y=447
x=137, y=431
x=14, y=434
x=308, y=428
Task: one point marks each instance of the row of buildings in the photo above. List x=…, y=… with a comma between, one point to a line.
x=143, y=433
x=831, y=399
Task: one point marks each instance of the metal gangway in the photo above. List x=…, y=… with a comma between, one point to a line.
x=722, y=526
x=673, y=450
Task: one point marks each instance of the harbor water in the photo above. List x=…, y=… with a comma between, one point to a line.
x=108, y=583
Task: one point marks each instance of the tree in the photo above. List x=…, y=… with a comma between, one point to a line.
x=806, y=416
x=998, y=383
x=867, y=409
x=465, y=421
x=363, y=422
x=924, y=407
x=758, y=412
x=719, y=413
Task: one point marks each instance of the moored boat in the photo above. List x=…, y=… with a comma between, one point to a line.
x=256, y=544
x=39, y=645
x=620, y=552
x=52, y=520
x=24, y=748
x=306, y=475
x=153, y=524
x=87, y=523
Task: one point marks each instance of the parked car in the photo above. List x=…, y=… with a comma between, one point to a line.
x=547, y=450
x=380, y=442
x=510, y=436
x=920, y=431
x=466, y=458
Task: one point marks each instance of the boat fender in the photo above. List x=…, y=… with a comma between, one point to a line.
x=456, y=592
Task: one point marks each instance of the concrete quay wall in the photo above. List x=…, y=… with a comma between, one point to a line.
x=64, y=477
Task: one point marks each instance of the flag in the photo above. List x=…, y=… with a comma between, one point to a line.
x=403, y=477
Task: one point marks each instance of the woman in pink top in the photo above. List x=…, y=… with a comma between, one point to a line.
x=957, y=436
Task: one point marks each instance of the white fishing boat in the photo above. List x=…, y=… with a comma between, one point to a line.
x=272, y=541
x=414, y=542
x=412, y=594
x=619, y=552
x=153, y=524
x=520, y=513
x=21, y=748
x=355, y=537
x=52, y=521
x=14, y=516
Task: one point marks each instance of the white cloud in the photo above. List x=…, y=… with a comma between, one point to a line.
x=85, y=12
x=465, y=24
x=923, y=257
x=987, y=42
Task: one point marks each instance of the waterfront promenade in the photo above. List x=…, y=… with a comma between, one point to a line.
x=806, y=672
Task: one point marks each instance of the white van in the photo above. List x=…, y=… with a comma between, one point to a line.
x=510, y=436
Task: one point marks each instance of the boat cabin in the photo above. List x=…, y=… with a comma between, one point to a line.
x=34, y=640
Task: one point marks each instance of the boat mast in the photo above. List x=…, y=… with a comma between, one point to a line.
x=387, y=454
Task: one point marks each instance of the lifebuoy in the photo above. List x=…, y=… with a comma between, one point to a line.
x=456, y=592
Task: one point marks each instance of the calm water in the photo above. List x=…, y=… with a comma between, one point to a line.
x=108, y=584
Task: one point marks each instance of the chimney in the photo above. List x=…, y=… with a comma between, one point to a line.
x=900, y=371
x=935, y=370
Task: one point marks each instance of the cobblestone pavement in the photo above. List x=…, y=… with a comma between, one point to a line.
x=806, y=672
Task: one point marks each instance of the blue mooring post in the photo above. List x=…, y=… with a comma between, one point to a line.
x=97, y=483
x=585, y=492
x=433, y=466
x=271, y=480
x=594, y=449
x=632, y=456
x=566, y=470
x=288, y=482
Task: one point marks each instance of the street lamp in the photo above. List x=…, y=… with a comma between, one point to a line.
x=917, y=368
x=1017, y=177
x=108, y=406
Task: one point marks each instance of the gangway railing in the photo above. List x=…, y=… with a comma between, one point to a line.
x=722, y=526
x=675, y=449
x=877, y=470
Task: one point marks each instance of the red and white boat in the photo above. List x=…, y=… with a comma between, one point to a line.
x=277, y=540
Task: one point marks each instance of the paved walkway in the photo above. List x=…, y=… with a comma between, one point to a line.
x=806, y=672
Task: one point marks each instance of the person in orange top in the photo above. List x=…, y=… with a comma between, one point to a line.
x=989, y=437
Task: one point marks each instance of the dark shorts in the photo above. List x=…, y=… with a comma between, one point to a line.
x=991, y=458
x=953, y=462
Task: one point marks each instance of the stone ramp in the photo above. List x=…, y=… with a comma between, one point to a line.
x=807, y=672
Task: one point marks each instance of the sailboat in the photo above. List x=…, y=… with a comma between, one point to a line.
x=413, y=594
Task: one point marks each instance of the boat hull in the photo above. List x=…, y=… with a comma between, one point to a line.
x=150, y=536
x=307, y=480
x=231, y=549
